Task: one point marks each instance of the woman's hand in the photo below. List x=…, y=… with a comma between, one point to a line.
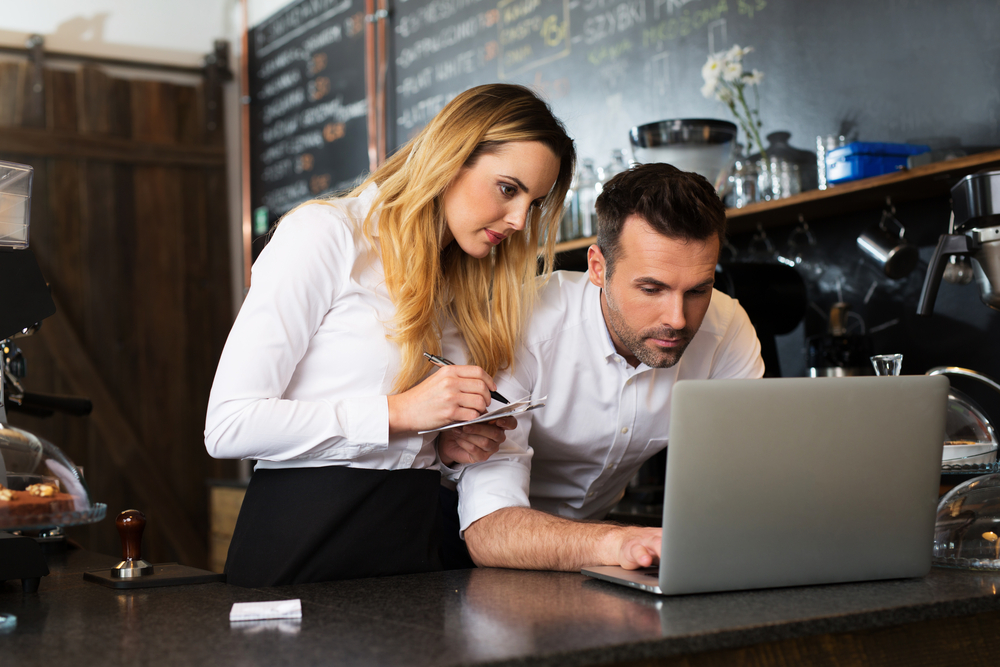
x=473, y=443
x=452, y=394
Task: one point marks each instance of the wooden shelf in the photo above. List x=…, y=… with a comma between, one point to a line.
x=930, y=180
x=576, y=244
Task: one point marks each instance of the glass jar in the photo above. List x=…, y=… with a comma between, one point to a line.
x=787, y=171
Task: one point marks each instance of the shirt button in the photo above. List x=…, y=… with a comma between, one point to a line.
x=610, y=466
x=590, y=494
x=628, y=381
x=625, y=429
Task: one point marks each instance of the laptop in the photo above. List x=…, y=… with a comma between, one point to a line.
x=797, y=481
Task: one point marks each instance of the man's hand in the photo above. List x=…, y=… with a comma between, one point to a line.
x=473, y=443
x=635, y=547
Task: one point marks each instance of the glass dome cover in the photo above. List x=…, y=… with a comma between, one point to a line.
x=970, y=444
x=967, y=530
x=39, y=486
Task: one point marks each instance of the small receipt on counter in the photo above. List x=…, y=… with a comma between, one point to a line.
x=254, y=611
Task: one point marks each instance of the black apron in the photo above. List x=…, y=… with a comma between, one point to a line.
x=304, y=525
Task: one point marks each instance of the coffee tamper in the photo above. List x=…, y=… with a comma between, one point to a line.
x=130, y=524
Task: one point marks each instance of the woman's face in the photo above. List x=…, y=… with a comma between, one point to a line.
x=492, y=199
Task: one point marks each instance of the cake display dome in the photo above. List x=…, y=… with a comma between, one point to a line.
x=39, y=486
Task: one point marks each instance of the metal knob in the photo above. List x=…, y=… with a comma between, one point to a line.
x=130, y=524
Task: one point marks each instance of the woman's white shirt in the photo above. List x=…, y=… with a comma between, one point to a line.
x=305, y=373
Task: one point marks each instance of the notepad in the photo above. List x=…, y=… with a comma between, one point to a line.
x=510, y=410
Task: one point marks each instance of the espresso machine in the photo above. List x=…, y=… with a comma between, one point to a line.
x=975, y=236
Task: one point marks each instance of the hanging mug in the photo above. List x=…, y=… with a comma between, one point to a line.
x=885, y=245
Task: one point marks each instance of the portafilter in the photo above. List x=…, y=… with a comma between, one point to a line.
x=976, y=206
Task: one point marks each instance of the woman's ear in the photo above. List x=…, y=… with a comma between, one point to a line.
x=596, y=266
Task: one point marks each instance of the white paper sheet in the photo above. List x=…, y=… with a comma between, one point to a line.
x=511, y=410
x=252, y=611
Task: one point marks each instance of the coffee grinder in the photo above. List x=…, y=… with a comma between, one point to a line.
x=975, y=235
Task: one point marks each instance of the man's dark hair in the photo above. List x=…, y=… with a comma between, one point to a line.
x=678, y=204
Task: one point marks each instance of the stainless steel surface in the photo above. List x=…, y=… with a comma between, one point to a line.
x=985, y=266
x=702, y=145
x=976, y=200
x=682, y=131
x=886, y=245
x=130, y=568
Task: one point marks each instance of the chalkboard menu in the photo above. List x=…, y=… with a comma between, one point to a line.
x=898, y=70
x=882, y=71
x=308, y=109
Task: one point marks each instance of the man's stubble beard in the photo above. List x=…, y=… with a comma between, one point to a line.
x=634, y=341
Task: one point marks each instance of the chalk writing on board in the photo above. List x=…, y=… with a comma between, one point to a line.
x=295, y=21
x=417, y=115
x=615, y=20
x=429, y=14
x=685, y=22
x=308, y=104
x=446, y=37
x=532, y=33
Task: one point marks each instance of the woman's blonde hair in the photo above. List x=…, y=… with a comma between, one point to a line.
x=489, y=298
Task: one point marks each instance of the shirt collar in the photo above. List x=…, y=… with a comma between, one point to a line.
x=366, y=198
x=596, y=315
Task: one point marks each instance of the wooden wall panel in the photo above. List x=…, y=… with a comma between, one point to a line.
x=66, y=270
x=10, y=86
x=61, y=101
x=154, y=112
x=137, y=257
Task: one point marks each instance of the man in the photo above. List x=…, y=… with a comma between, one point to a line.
x=605, y=348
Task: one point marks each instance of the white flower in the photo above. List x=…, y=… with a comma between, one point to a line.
x=732, y=70
x=736, y=53
x=712, y=68
x=753, y=78
x=724, y=95
x=708, y=90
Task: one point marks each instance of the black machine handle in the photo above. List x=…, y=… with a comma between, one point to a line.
x=948, y=245
x=44, y=404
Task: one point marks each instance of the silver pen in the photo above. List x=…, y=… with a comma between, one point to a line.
x=442, y=362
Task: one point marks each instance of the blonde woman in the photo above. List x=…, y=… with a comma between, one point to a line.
x=323, y=381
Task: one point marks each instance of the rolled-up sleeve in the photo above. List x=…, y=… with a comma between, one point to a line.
x=503, y=479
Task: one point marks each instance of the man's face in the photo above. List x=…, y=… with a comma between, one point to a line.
x=658, y=294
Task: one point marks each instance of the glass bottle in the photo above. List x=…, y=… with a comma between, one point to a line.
x=568, y=228
x=742, y=180
x=588, y=187
x=617, y=165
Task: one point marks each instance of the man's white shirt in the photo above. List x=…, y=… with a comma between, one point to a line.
x=603, y=418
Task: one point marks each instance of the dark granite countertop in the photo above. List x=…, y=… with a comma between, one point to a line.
x=463, y=617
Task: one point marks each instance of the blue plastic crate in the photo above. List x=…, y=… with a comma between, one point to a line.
x=862, y=159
